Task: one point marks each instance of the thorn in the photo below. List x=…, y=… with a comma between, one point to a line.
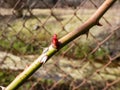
x=26, y=67
x=43, y=58
x=87, y=34
x=45, y=50
x=99, y=24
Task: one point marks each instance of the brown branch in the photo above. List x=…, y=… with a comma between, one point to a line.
x=83, y=29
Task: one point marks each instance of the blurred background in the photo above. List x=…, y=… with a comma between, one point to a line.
x=87, y=63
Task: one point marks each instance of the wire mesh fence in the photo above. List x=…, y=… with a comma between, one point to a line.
x=90, y=62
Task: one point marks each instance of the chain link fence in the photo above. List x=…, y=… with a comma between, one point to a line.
x=87, y=63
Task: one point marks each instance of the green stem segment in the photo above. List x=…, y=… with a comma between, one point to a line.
x=19, y=80
x=83, y=29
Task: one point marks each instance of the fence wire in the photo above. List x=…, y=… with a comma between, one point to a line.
x=87, y=63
